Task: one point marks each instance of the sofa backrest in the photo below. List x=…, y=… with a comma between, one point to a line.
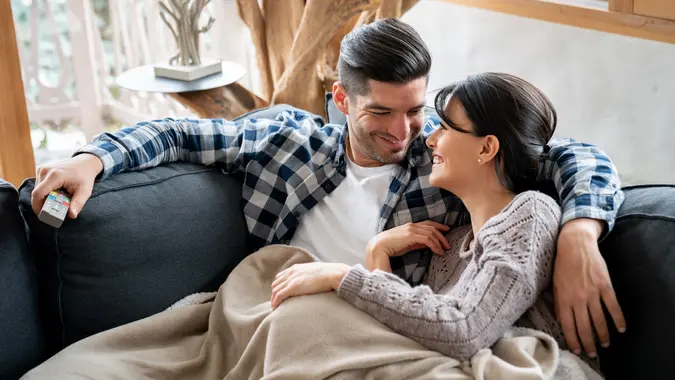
x=640, y=256
x=143, y=241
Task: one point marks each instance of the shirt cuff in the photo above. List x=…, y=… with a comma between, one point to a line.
x=599, y=207
x=110, y=155
x=352, y=283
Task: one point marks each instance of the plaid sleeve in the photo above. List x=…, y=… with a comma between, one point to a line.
x=586, y=180
x=204, y=141
x=431, y=123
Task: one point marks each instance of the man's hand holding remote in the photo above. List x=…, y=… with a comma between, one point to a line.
x=76, y=175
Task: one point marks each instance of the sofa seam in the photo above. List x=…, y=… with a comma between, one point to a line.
x=648, y=186
x=59, y=288
x=645, y=217
x=153, y=182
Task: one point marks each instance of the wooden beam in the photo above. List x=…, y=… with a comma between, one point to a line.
x=17, y=160
x=568, y=13
x=655, y=8
x=623, y=6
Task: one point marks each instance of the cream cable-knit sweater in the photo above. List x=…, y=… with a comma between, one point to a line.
x=472, y=296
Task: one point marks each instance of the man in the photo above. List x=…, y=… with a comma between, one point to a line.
x=311, y=185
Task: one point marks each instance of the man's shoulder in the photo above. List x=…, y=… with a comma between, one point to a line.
x=293, y=138
x=298, y=124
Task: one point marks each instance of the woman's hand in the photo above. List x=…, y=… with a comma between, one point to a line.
x=408, y=237
x=304, y=279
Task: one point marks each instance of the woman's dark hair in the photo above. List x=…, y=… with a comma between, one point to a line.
x=387, y=50
x=521, y=117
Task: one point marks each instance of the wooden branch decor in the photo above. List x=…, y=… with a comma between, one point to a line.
x=185, y=29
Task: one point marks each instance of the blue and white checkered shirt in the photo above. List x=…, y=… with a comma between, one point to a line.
x=293, y=161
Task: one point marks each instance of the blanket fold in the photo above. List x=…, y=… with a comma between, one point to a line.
x=234, y=334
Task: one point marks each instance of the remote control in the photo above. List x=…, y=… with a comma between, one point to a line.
x=55, y=208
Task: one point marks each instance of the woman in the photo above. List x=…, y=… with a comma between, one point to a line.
x=498, y=269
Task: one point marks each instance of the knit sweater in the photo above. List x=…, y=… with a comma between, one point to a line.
x=472, y=295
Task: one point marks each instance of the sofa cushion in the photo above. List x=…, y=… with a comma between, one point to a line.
x=21, y=336
x=334, y=115
x=273, y=111
x=640, y=256
x=143, y=241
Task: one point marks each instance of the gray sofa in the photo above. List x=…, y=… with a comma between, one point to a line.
x=146, y=239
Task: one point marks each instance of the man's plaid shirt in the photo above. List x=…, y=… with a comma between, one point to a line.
x=293, y=161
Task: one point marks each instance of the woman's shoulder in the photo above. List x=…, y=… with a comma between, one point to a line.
x=529, y=211
x=536, y=201
x=524, y=235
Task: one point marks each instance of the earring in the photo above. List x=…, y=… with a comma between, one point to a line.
x=480, y=161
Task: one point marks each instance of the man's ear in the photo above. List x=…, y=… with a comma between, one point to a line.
x=341, y=98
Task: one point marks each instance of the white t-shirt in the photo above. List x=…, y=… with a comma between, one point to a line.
x=340, y=226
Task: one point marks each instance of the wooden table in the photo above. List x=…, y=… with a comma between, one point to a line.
x=215, y=96
x=225, y=102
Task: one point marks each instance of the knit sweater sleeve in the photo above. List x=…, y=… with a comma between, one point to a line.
x=510, y=266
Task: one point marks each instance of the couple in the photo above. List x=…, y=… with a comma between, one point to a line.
x=446, y=205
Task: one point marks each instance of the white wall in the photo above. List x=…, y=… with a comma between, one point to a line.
x=614, y=91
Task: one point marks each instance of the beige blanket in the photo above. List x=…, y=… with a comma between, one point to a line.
x=238, y=336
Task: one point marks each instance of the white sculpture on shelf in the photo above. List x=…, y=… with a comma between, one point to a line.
x=182, y=18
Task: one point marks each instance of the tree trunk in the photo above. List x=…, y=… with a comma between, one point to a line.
x=298, y=62
x=251, y=14
x=281, y=32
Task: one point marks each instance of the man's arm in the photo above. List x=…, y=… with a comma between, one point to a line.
x=587, y=181
x=590, y=193
x=207, y=141
x=202, y=141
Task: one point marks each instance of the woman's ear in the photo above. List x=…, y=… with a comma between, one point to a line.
x=340, y=98
x=489, y=149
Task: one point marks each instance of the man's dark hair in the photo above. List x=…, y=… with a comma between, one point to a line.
x=387, y=50
x=521, y=117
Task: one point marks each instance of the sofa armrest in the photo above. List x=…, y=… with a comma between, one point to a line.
x=21, y=336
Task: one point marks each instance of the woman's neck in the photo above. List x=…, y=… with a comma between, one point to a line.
x=485, y=201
